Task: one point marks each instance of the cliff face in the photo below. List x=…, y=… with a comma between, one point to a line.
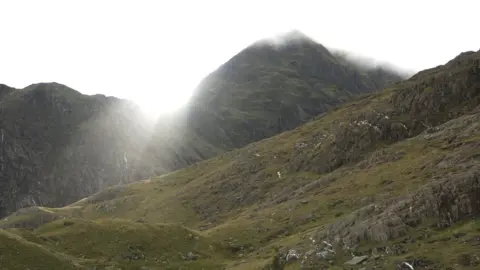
x=58, y=144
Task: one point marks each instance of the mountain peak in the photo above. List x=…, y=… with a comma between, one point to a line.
x=296, y=34
x=286, y=38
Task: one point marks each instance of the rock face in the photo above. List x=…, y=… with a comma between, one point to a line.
x=58, y=145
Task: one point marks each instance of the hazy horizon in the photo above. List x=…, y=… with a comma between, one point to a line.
x=155, y=53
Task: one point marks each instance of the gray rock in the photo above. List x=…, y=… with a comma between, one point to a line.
x=292, y=255
x=191, y=256
x=357, y=260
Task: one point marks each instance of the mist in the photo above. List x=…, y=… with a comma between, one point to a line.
x=356, y=59
x=363, y=62
x=155, y=53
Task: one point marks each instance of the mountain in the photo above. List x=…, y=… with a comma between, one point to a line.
x=387, y=180
x=267, y=88
x=59, y=146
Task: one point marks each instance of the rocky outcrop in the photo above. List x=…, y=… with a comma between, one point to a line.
x=412, y=107
x=445, y=199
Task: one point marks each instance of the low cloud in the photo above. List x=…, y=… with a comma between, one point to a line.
x=369, y=63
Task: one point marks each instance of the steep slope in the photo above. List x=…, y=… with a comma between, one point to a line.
x=393, y=176
x=267, y=88
x=58, y=145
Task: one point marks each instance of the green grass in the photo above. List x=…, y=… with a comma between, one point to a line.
x=108, y=242
x=18, y=253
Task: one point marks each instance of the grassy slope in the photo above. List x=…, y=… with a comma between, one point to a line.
x=18, y=253
x=402, y=193
x=109, y=243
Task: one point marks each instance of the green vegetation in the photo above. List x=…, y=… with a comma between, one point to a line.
x=428, y=89
x=18, y=253
x=107, y=243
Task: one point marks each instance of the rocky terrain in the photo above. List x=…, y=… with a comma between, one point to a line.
x=389, y=180
x=58, y=146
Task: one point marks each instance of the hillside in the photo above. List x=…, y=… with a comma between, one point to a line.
x=387, y=179
x=59, y=146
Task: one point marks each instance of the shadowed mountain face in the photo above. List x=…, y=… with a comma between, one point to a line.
x=59, y=145
x=267, y=89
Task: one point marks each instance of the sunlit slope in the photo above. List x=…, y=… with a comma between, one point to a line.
x=393, y=175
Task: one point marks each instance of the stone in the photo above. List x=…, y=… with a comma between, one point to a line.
x=292, y=255
x=357, y=260
x=191, y=256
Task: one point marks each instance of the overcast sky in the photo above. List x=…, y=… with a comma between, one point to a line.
x=156, y=52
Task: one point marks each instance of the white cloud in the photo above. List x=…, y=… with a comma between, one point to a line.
x=155, y=52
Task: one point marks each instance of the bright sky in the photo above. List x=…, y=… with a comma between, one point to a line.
x=156, y=52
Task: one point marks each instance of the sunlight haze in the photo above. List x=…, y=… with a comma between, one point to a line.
x=156, y=52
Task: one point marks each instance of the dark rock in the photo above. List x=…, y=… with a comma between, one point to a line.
x=68, y=223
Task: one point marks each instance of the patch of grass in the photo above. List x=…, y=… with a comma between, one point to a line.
x=428, y=89
x=17, y=253
x=121, y=243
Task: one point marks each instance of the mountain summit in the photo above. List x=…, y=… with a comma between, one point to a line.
x=266, y=89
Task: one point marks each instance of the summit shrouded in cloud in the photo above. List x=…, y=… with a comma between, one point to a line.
x=156, y=52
